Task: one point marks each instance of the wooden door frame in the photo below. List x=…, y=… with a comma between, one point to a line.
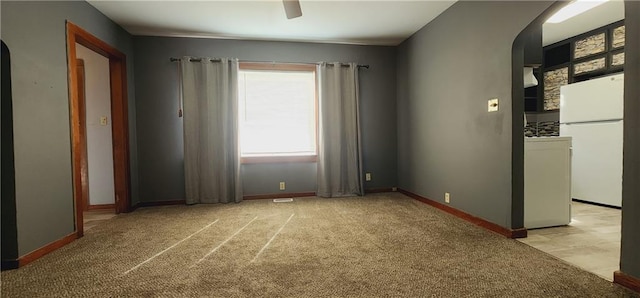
x=80, y=152
x=119, y=121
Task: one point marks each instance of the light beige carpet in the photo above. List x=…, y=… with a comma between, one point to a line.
x=378, y=245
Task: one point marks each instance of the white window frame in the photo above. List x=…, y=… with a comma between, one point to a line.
x=284, y=157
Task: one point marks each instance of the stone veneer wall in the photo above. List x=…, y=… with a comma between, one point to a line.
x=618, y=37
x=553, y=80
x=617, y=59
x=593, y=44
x=588, y=66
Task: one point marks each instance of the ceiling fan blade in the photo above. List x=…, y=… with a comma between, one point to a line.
x=292, y=8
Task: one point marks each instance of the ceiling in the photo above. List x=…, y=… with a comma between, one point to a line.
x=352, y=22
x=378, y=22
x=599, y=16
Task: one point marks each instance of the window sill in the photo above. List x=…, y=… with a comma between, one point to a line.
x=278, y=159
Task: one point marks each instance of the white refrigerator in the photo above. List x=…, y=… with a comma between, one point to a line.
x=591, y=114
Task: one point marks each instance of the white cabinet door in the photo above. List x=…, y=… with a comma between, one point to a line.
x=596, y=161
x=547, y=186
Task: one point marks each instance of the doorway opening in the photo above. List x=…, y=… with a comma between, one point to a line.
x=114, y=176
x=94, y=102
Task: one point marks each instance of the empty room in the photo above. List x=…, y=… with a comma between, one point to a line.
x=320, y=148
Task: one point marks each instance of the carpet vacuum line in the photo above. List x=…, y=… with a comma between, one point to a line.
x=273, y=237
x=170, y=247
x=223, y=242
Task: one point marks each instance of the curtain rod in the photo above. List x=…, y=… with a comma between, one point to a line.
x=173, y=59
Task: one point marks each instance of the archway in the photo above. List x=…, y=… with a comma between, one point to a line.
x=629, y=191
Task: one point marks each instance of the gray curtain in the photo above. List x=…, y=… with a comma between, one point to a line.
x=339, y=149
x=211, y=152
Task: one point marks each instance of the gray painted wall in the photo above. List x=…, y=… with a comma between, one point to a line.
x=630, y=253
x=447, y=141
x=160, y=130
x=35, y=34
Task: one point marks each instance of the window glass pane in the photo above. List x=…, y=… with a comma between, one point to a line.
x=277, y=112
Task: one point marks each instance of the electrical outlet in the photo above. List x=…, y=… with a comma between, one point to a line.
x=394, y=189
x=282, y=185
x=103, y=120
x=446, y=197
x=367, y=176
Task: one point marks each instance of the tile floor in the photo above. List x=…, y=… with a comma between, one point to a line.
x=93, y=218
x=591, y=241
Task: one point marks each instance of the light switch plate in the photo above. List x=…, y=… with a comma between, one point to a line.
x=492, y=105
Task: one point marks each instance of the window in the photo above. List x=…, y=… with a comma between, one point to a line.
x=277, y=105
